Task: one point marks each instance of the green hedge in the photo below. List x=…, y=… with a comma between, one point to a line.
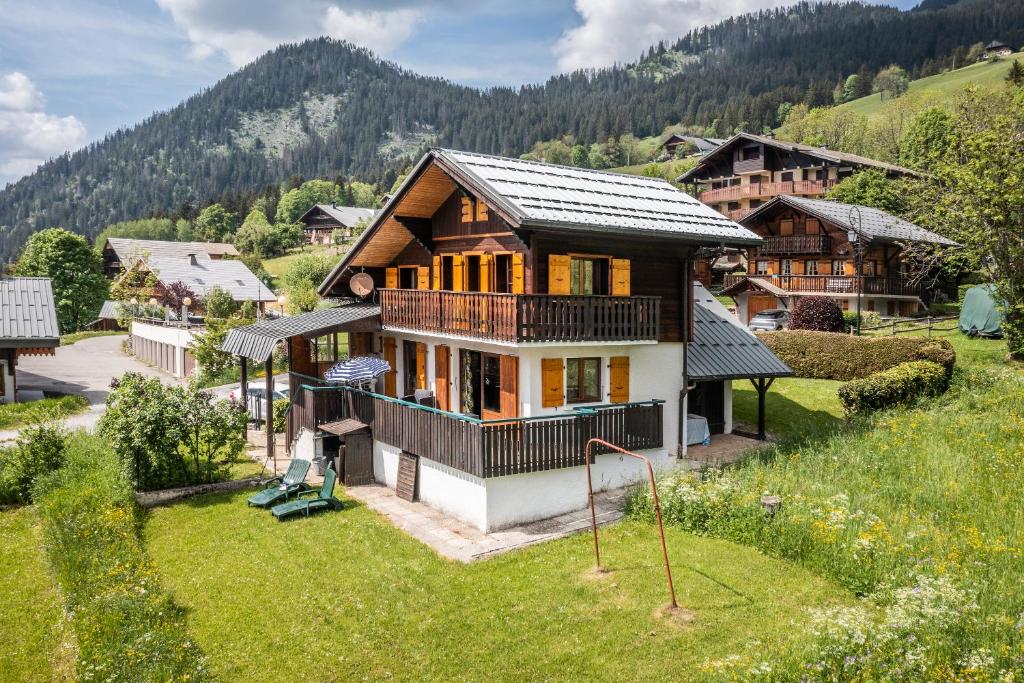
x=127, y=628
x=828, y=355
x=896, y=386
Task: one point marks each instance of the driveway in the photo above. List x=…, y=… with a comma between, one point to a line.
x=84, y=368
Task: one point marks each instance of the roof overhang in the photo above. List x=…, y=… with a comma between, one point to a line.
x=757, y=283
x=257, y=342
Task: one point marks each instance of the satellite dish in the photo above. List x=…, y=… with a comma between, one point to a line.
x=361, y=284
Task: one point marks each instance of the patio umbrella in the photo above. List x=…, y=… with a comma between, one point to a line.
x=359, y=370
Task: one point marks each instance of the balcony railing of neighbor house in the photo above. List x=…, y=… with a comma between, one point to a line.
x=522, y=317
x=796, y=244
x=834, y=284
x=482, y=448
x=754, y=190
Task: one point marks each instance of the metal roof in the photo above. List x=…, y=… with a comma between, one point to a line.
x=874, y=223
x=754, y=281
x=202, y=274
x=546, y=195
x=346, y=215
x=722, y=349
x=257, y=342
x=108, y=311
x=820, y=152
x=132, y=250
x=28, y=315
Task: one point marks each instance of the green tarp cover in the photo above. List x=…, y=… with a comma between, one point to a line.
x=980, y=313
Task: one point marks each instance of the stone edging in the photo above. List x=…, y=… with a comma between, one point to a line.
x=148, y=499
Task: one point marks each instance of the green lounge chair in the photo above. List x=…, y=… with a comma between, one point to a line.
x=325, y=500
x=287, y=486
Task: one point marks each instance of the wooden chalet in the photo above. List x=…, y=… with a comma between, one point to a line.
x=121, y=253
x=28, y=327
x=747, y=170
x=807, y=251
x=320, y=222
x=523, y=308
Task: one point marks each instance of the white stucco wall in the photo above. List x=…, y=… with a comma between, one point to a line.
x=454, y=493
x=178, y=337
x=385, y=463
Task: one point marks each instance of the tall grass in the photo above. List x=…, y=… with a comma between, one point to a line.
x=126, y=627
x=916, y=509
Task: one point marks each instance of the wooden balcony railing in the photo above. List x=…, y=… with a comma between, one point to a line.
x=796, y=244
x=522, y=317
x=481, y=448
x=761, y=190
x=835, y=284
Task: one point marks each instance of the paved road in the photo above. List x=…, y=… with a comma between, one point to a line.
x=84, y=368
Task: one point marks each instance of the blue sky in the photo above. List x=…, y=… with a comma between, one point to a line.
x=74, y=70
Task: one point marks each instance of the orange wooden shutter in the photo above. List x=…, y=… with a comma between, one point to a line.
x=552, y=382
x=824, y=267
x=390, y=377
x=798, y=267
x=481, y=211
x=786, y=226
x=442, y=370
x=620, y=277
x=619, y=379
x=812, y=226
x=509, y=386
x=486, y=261
x=423, y=277
x=559, y=281
x=518, y=274
x=457, y=284
x=391, y=278
x=850, y=267
x=437, y=272
x=421, y=365
x=467, y=210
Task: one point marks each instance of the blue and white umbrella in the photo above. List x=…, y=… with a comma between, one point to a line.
x=359, y=370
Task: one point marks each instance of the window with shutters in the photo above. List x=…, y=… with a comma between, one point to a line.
x=761, y=267
x=810, y=267
x=447, y=279
x=472, y=273
x=786, y=267
x=838, y=266
x=501, y=275
x=589, y=275
x=407, y=277
x=786, y=226
x=582, y=380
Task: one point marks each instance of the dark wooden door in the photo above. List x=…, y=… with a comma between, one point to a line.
x=708, y=400
x=757, y=303
x=358, y=468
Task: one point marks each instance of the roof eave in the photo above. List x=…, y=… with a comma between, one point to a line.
x=534, y=224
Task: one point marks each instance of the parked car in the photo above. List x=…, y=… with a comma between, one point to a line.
x=257, y=398
x=769, y=320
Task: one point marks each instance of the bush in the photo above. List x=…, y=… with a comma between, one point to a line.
x=39, y=450
x=280, y=414
x=817, y=313
x=825, y=355
x=867, y=319
x=896, y=386
x=126, y=627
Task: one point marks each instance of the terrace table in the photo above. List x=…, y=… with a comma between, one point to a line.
x=697, y=431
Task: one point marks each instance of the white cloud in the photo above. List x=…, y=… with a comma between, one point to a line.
x=617, y=31
x=29, y=135
x=242, y=30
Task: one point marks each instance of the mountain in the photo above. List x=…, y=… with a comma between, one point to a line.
x=324, y=107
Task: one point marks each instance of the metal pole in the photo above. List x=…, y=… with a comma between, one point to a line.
x=243, y=373
x=268, y=418
x=860, y=281
x=657, y=509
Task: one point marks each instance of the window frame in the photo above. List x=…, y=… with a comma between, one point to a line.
x=578, y=260
x=581, y=396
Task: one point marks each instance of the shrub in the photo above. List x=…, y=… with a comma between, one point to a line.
x=126, y=627
x=896, y=386
x=816, y=313
x=280, y=414
x=39, y=450
x=867, y=319
x=825, y=355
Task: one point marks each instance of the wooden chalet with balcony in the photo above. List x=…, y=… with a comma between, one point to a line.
x=807, y=251
x=747, y=170
x=523, y=308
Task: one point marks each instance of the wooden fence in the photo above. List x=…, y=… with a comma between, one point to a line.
x=894, y=326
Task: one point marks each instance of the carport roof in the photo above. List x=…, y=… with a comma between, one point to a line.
x=721, y=349
x=257, y=342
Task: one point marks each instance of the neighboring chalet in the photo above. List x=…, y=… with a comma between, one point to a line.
x=120, y=253
x=702, y=146
x=995, y=49
x=28, y=327
x=807, y=251
x=524, y=308
x=107, y=320
x=747, y=170
x=320, y=222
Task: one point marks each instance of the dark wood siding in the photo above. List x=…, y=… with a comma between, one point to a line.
x=448, y=221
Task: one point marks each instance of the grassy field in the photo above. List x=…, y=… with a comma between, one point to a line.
x=986, y=75
x=69, y=339
x=280, y=265
x=347, y=596
x=30, y=612
x=17, y=414
x=794, y=406
x=669, y=170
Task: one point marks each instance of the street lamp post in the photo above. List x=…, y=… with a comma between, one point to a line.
x=281, y=302
x=853, y=234
x=185, y=303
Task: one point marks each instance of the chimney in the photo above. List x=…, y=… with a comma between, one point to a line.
x=192, y=260
x=334, y=205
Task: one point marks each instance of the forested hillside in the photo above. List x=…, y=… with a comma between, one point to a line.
x=324, y=108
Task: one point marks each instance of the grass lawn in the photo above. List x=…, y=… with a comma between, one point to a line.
x=30, y=612
x=794, y=406
x=69, y=339
x=280, y=265
x=346, y=595
x=17, y=414
x=945, y=86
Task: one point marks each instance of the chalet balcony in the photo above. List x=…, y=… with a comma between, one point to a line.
x=522, y=318
x=835, y=284
x=748, y=165
x=796, y=244
x=762, y=190
x=482, y=448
